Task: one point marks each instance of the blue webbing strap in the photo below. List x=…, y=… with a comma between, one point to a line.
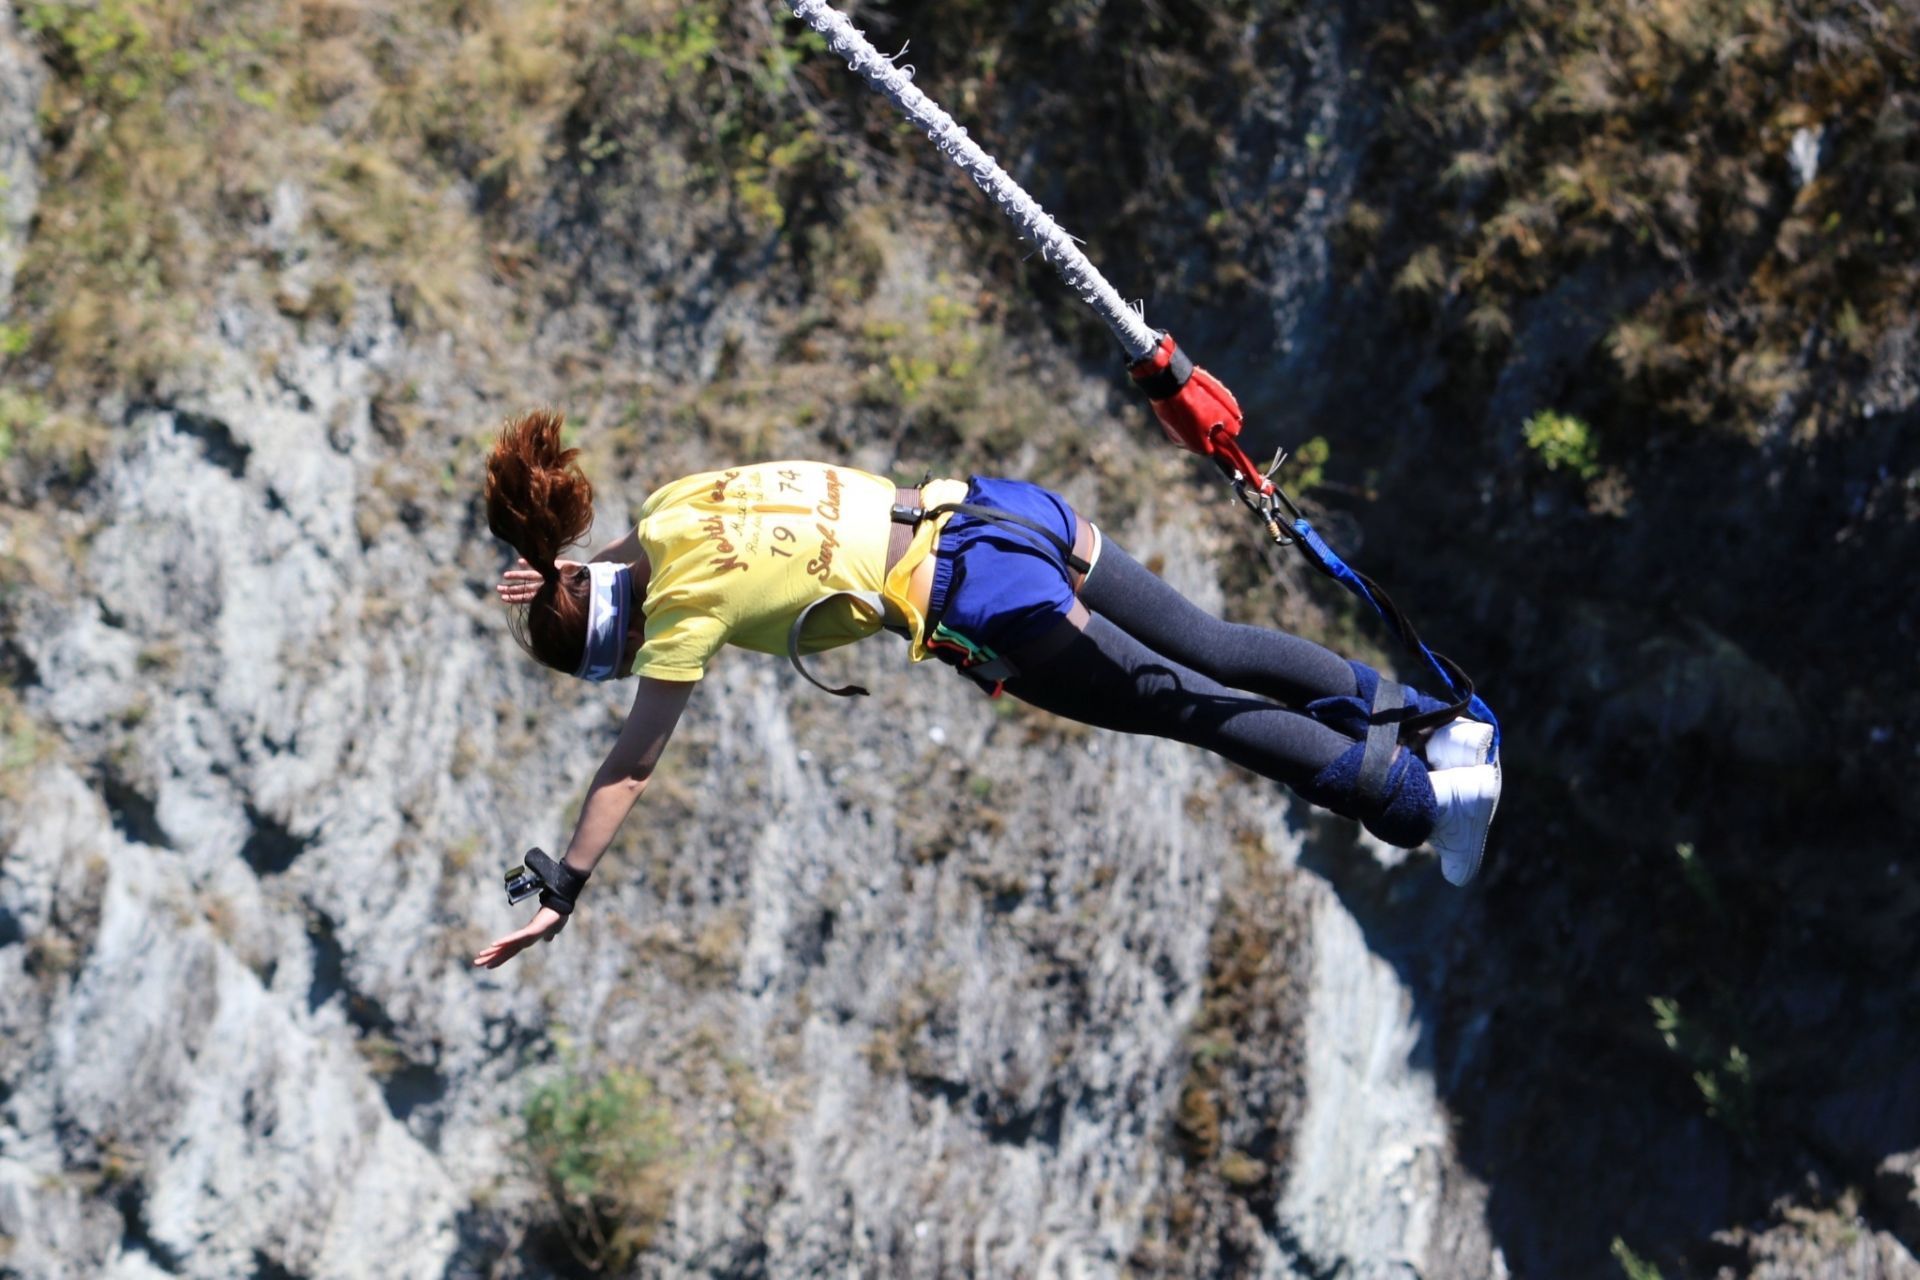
x=1328, y=561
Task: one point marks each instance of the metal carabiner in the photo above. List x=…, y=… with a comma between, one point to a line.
x=1261, y=505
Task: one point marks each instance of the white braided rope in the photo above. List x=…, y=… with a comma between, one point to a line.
x=1055, y=245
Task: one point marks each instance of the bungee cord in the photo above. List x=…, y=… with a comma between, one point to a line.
x=1056, y=247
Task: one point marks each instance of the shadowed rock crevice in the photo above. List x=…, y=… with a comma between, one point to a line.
x=483, y=1238
x=271, y=1269
x=1039, y=1124
x=135, y=813
x=952, y=1092
x=1896, y=1198
x=17, y=670
x=216, y=438
x=538, y=1248
x=1301, y=1264
x=266, y=1268
x=329, y=964
x=137, y=1233
x=411, y=1089
x=272, y=848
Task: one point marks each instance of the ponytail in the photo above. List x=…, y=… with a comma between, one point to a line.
x=541, y=502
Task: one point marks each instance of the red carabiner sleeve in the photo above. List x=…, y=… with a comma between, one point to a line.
x=1195, y=409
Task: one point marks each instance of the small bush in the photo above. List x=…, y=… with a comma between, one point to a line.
x=1563, y=443
x=1310, y=463
x=604, y=1147
x=1722, y=1071
x=1632, y=1264
x=1424, y=274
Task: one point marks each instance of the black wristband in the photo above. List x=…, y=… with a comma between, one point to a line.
x=563, y=883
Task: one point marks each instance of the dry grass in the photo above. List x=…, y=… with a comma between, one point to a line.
x=404, y=132
x=1659, y=133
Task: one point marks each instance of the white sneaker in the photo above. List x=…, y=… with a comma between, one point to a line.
x=1460, y=742
x=1467, y=797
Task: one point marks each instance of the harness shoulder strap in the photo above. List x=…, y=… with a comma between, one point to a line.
x=998, y=516
x=869, y=599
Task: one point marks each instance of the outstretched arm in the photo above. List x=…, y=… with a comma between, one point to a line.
x=622, y=777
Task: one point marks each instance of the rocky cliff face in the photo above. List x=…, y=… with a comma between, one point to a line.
x=910, y=1010
x=21, y=79
x=914, y=983
x=925, y=985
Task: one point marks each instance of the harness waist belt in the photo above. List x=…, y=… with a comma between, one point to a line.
x=993, y=669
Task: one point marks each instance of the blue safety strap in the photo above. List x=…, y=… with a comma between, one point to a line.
x=1328, y=561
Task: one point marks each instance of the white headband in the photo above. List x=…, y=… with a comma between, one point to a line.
x=609, y=596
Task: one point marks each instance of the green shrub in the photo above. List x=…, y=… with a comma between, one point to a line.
x=21, y=413
x=604, y=1147
x=1309, y=462
x=719, y=79
x=1563, y=443
x=1632, y=1264
x=22, y=744
x=1722, y=1071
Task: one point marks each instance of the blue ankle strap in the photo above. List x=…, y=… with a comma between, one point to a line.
x=1328, y=561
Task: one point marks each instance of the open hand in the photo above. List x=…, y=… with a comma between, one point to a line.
x=545, y=925
x=521, y=583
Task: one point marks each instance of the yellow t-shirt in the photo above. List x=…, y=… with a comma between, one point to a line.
x=737, y=554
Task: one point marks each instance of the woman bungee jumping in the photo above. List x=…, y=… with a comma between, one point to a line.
x=1000, y=578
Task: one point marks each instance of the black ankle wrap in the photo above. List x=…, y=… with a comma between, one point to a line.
x=1383, y=735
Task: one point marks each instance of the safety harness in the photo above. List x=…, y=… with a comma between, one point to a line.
x=976, y=661
x=1194, y=408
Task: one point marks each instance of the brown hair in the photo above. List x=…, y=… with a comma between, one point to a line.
x=540, y=501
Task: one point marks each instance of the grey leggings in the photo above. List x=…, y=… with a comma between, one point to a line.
x=1151, y=662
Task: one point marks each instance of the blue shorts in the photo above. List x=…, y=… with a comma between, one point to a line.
x=1001, y=585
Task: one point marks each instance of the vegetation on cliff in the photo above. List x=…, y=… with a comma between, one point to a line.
x=1748, y=169
x=1627, y=255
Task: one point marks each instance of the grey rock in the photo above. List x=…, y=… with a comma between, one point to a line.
x=1896, y=1192
x=1372, y=1188
x=953, y=1054
x=22, y=77
x=199, y=1120
x=913, y=1003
